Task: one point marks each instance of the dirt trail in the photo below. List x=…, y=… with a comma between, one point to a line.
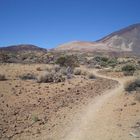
x=91, y=125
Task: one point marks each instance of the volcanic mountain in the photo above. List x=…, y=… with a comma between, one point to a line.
x=124, y=40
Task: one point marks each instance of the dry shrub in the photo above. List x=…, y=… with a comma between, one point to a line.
x=58, y=77
x=48, y=68
x=133, y=85
x=54, y=68
x=66, y=70
x=28, y=76
x=48, y=77
x=63, y=71
x=45, y=77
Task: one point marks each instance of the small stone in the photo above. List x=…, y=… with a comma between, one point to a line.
x=133, y=103
x=125, y=105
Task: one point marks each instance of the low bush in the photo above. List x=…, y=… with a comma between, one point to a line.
x=68, y=61
x=58, y=77
x=112, y=62
x=102, y=61
x=100, y=58
x=48, y=77
x=63, y=71
x=66, y=70
x=128, y=69
x=45, y=77
x=133, y=86
x=56, y=68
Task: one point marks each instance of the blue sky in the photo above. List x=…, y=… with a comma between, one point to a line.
x=48, y=23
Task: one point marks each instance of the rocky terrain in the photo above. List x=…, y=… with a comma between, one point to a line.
x=56, y=102
x=28, y=108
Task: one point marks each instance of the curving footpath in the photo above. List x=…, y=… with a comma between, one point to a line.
x=91, y=126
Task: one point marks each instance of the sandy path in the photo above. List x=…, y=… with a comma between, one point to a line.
x=91, y=125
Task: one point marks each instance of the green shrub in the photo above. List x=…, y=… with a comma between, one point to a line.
x=105, y=61
x=128, y=69
x=133, y=86
x=67, y=61
x=112, y=62
x=100, y=58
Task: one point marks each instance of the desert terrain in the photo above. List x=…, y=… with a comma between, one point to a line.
x=76, y=109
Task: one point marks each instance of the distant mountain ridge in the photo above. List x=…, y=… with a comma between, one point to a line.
x=24, y=53
x=22, y=47
x=124, y=40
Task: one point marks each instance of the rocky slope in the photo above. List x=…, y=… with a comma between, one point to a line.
x=127, y=39
x=124, y=40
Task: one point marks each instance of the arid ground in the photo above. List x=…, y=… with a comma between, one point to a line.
x=77, y=109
